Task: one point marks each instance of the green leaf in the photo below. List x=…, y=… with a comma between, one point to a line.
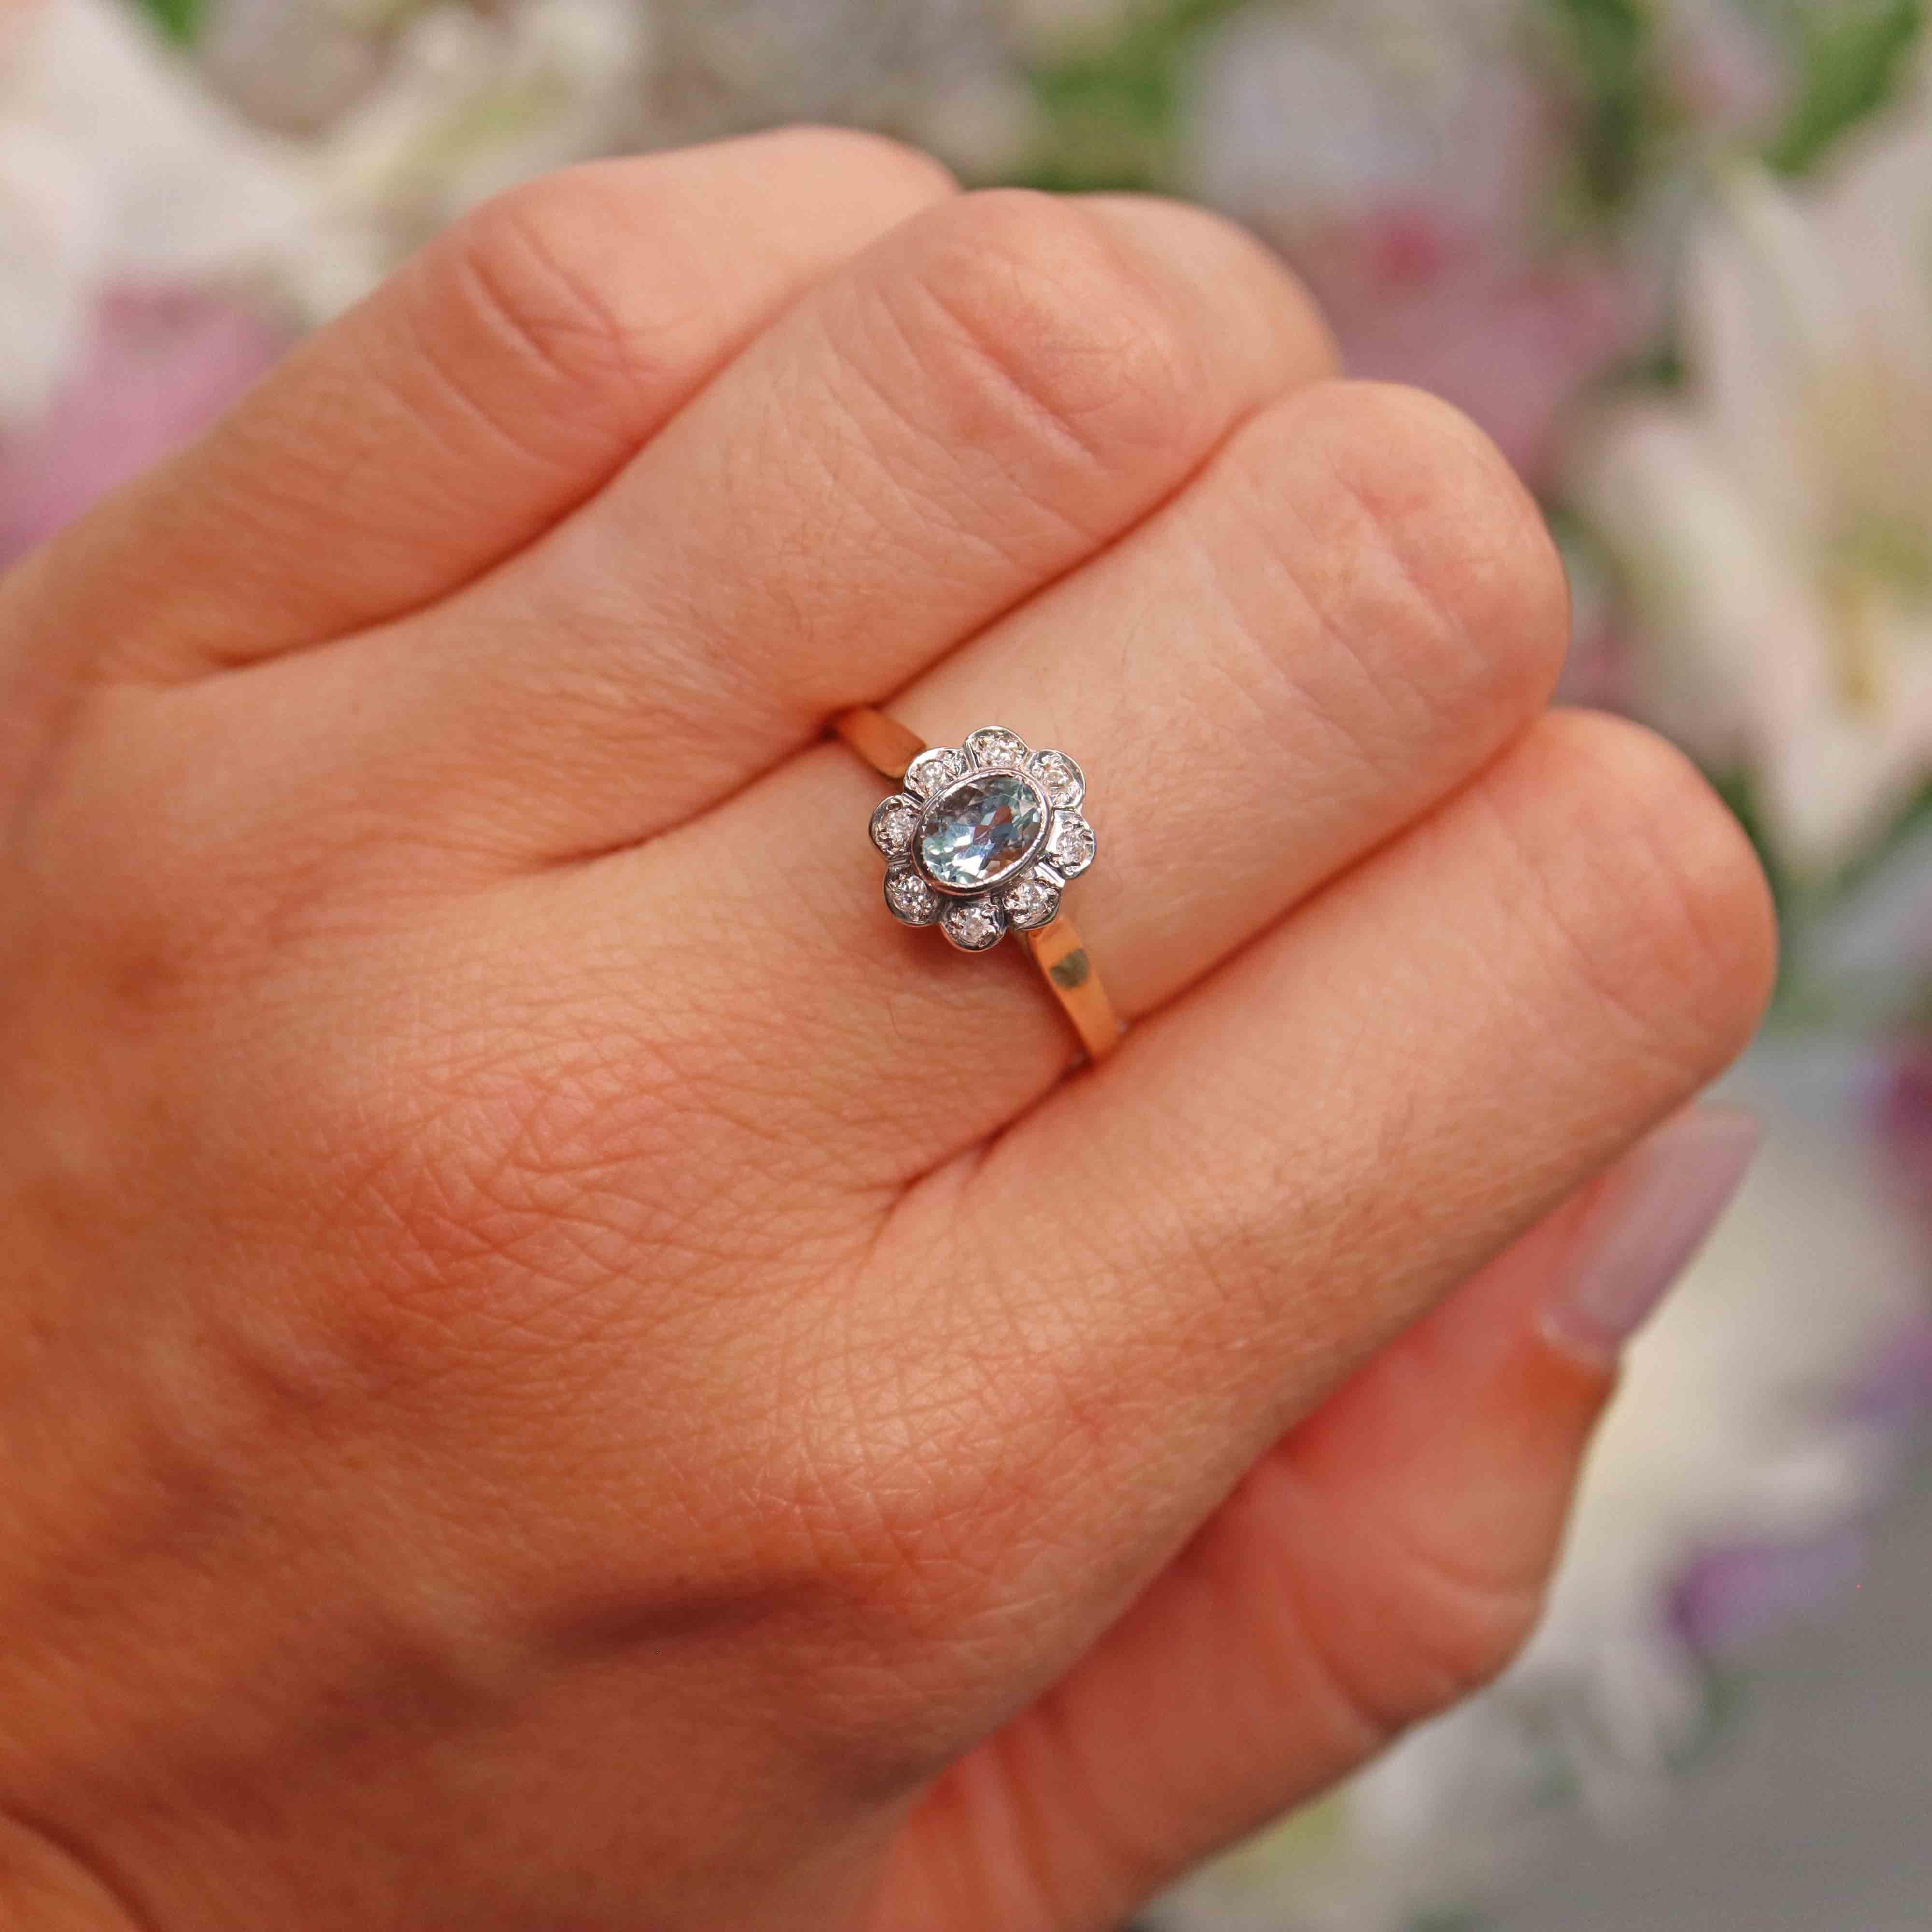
x=1852, y=57
x=177, y=19
x=1609, y=46
x=1110, y=106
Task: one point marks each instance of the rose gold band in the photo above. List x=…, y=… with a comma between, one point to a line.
x=888, y=747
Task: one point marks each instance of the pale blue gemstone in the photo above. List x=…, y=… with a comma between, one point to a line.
x=980, y=830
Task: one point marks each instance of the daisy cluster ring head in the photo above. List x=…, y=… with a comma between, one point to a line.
x=983, y=839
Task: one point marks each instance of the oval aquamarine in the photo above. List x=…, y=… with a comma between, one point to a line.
x=976, y=831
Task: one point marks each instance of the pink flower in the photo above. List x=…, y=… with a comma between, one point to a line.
x=1510, y=339
x=157, y=366
x=1405, y=155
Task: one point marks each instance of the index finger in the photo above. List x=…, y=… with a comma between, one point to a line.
x=498, y=380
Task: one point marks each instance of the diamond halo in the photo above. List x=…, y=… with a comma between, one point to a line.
x=984, y=838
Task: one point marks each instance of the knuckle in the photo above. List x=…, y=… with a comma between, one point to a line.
x=539, y=276
x=1455, y=1629
x=1653, y=887
x=1405, y=1630
x=1023, y=306
x=1416, y=544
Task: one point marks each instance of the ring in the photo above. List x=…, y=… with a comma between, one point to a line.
x=981, y=841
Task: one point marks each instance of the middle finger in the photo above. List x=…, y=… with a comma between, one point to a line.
x=978, y=403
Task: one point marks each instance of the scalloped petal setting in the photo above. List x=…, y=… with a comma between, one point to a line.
x=894, y=824
x=983, y=839
x=1032, y=902
x=932, y=771
x=909, y=899
x=1071, y=846
x=995, y=750
x=1060, y=778
x=973, y=925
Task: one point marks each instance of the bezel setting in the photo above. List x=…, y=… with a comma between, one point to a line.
x=945, y=798
x=1024, y=894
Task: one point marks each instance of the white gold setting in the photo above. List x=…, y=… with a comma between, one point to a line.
x=984, y=838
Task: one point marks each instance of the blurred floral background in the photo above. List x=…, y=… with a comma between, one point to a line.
x=1675, y=255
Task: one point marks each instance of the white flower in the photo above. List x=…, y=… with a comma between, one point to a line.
x=1775, y=526
x=119, y=165
x=468, y=103
x=1737, y=1425
x=115, y=167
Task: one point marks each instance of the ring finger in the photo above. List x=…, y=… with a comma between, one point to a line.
x=1351, y=612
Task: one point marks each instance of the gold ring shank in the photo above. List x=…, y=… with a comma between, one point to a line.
x=1058, y=949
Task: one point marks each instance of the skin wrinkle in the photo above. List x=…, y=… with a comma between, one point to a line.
x=990, y=1399
x=945, y=504
x=1018, y=295
x=1267, y=512
x=455, y=1212
x=1661, y=920
x=1456, y=1634
x=550, y=1270
x=1105, y=1840
x=86, y=1883
x=1527, y=584
x=559, y=321
x=1358, y=1724
x=840, y=450
x=155, y=866
x=1676, y=860
x=1441, y=666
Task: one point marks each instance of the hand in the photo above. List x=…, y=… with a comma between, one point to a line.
x=559, y=1370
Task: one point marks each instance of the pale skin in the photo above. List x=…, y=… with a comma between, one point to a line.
x=558, y=1370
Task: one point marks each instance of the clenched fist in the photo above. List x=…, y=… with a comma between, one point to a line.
x=558, y=1370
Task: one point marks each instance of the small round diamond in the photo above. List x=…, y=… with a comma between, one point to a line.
x=1030, y=903
x=993, y=750
x=973, y=925
x=934, y=768
x=909, y=899
x=1070, y=845
x=1060, y=778
x=893, y=825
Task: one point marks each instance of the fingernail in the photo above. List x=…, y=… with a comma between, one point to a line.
x=1640, y=1235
